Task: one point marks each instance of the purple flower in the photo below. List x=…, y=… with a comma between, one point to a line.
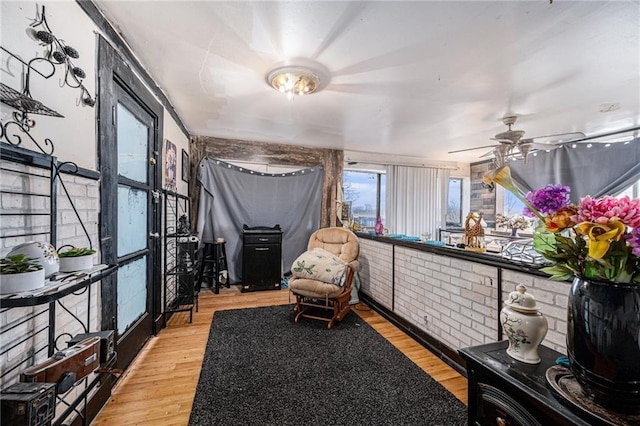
x=547, y=200
x=634, y=241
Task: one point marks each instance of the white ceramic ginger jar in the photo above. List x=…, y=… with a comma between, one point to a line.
x=524, y=325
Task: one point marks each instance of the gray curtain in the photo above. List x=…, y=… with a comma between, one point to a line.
x=595, y=171
x=231, y=196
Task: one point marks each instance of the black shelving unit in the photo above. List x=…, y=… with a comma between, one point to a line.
x=45, y=305
x=180, y=257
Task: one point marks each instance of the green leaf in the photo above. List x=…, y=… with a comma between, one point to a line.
x=77, y=252
x=558, y=272
x=19, y=263
x=544, y=242
x=299, y=266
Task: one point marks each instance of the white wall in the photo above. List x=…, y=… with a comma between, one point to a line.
x=173, y=133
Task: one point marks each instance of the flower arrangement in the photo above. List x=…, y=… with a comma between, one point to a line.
x=598, y=239
x=513, y=222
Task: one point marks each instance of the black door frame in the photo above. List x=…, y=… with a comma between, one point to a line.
x=113, y=72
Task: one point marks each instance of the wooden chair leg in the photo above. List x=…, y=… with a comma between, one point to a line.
x=337, y=307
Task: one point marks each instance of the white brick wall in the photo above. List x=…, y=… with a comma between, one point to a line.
x=375, y=271
x=86, y=199
x=454, y=300
x=24, y=179
x=552, y=298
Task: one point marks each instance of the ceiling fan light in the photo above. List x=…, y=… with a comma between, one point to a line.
x=524, y=150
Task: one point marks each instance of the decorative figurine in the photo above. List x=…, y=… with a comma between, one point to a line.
x=183, y=225
x=524, y=325
x=379, y=227
x=474, y=232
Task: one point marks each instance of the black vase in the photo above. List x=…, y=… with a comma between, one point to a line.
x=603, y=341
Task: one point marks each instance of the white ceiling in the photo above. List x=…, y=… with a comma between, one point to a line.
x=407, y=78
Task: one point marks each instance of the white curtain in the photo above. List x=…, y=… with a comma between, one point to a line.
x=416, y=200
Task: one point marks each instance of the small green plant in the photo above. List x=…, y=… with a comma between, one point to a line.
x=18, y=264
x=77, y=252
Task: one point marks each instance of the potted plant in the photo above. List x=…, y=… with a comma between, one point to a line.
x=20, y=273
x=76, y=259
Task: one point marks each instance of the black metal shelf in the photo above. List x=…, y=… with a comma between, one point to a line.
x=176, y=269
x=55, y=290
x=180, y=258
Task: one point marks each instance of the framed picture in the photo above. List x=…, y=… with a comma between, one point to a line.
x=170, y=165
x=185, y=166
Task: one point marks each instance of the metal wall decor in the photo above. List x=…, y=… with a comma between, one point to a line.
x=58, y=53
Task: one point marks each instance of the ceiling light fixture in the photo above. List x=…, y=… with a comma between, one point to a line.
x=294, y=80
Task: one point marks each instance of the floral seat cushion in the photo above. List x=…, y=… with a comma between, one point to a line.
x=320, y=265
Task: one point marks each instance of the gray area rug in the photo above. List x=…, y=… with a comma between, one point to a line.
x=260, y=368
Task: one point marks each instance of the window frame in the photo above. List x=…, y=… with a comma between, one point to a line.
x=378, y=177
x=460, y=203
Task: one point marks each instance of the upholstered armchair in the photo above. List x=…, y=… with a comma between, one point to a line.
x=322, y=276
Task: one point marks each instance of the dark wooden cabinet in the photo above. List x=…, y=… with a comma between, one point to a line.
x=261, y=258
x=506, y=392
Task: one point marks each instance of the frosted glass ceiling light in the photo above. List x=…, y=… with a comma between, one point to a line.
x=294, y=80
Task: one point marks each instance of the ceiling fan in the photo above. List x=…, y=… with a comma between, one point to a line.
x=512, y=145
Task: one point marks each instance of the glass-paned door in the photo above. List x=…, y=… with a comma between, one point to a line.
x=134, y=128
x=130, y=215
x=134, y=132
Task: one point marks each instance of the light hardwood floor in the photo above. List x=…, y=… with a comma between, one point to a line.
x=158, y=388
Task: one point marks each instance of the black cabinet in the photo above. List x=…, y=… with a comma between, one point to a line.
x=261, y=258
x=503, y=391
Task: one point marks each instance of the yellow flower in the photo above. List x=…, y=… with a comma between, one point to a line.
x=502, y=176
x=600, y=235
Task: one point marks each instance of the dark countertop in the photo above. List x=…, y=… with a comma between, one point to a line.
x=491, y=259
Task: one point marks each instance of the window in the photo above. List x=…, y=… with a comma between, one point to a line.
x=364, y=197
x=509, y=206
x=512, y=205
x=454, y=203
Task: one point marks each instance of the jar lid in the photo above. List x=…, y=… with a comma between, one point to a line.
x=522, y=301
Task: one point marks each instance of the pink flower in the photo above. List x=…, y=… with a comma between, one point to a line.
x=603, y=209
